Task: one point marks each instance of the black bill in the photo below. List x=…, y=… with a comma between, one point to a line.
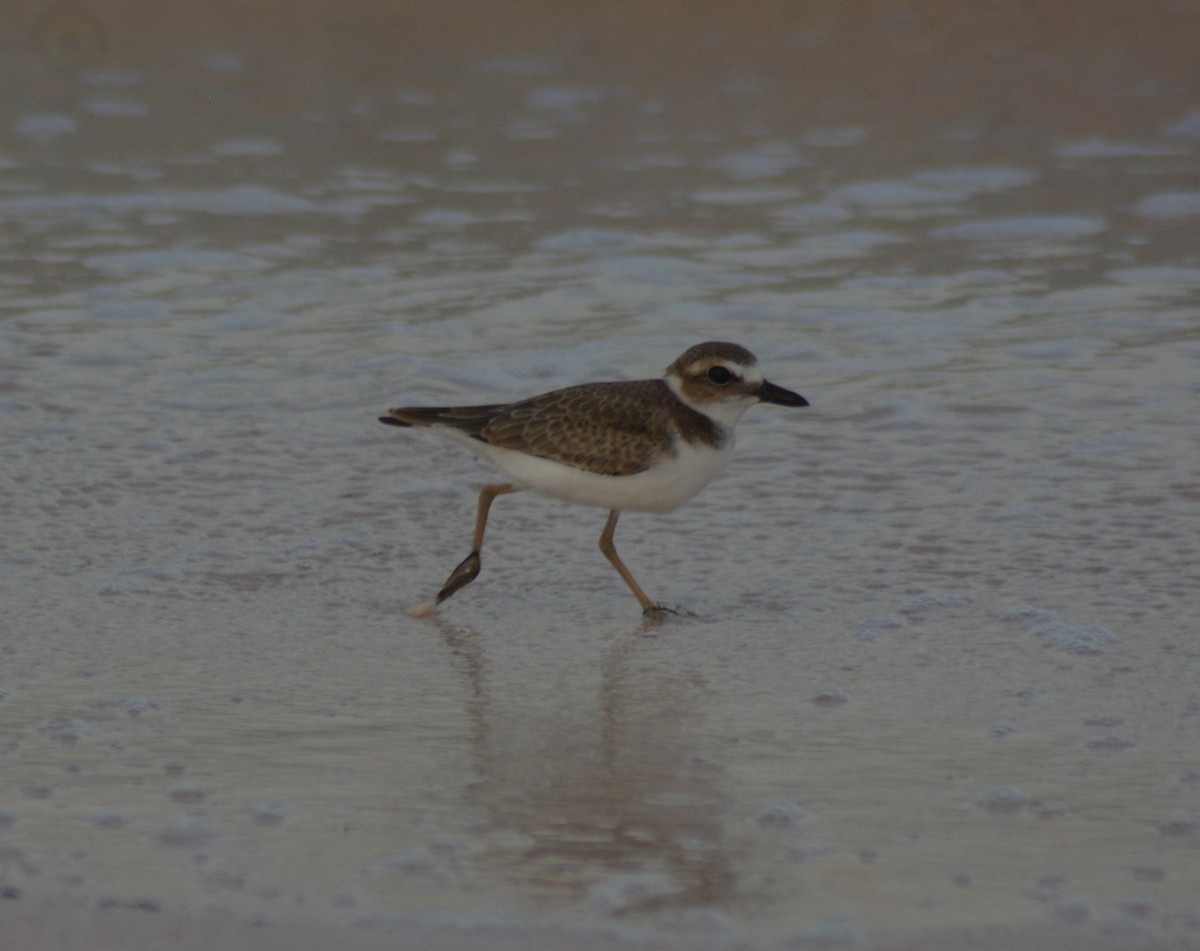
x=770, y=393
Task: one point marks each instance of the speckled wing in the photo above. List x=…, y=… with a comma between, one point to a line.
x=607, y=428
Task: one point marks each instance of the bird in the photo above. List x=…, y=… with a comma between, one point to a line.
x=636, y=445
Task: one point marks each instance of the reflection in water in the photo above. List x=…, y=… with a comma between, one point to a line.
x=943, y=674
x=69, y=35
x=606, y=805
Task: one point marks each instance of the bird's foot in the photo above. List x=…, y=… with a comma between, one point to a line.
x=460, y=577
x=659, y=611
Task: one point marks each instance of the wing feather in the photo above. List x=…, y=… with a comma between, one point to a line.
x=609, y=428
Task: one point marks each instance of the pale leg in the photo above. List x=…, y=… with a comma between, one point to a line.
x=610, y=552
x=468, y=571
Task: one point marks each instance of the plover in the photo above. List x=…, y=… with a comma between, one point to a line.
x=643, y=446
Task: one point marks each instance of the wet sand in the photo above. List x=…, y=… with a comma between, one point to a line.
x=69, y=930
x=937, y=687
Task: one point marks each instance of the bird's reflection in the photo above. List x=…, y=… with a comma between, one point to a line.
x=604, y=798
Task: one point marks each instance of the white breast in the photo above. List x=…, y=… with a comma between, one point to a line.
x=661, y=488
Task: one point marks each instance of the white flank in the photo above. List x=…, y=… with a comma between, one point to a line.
x=668, y=483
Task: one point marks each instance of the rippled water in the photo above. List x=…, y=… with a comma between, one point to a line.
x=941, y=677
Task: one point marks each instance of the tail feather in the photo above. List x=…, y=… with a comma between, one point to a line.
x=471, y=420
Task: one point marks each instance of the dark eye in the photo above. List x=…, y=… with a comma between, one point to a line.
x=719, y=376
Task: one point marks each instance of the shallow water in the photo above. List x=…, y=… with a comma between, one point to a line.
x=941, y=670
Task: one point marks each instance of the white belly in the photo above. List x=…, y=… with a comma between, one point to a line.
x=661, y=488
